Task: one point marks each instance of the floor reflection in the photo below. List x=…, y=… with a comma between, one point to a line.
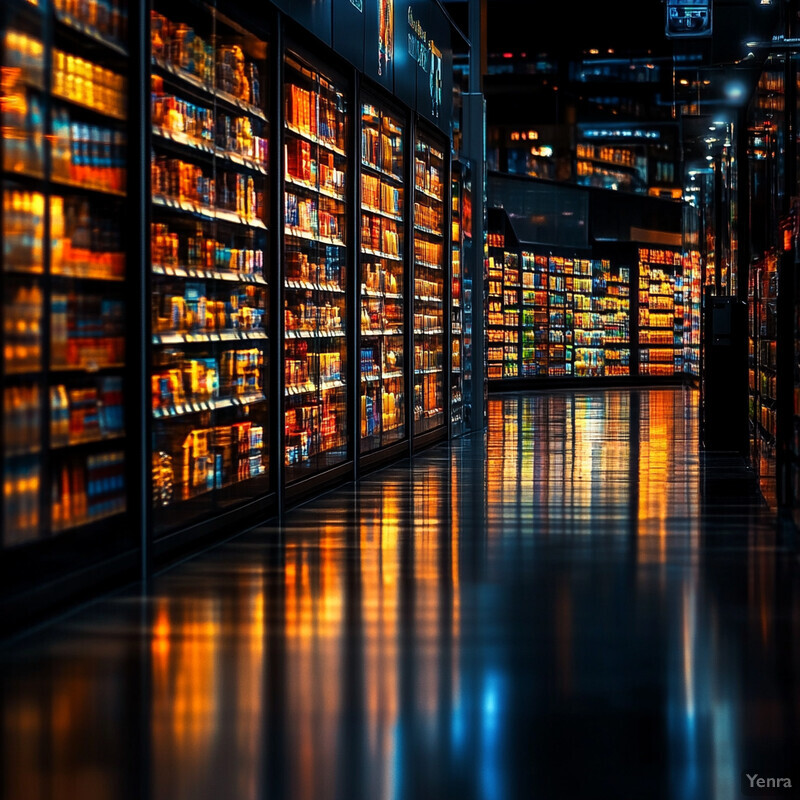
x=561, y=606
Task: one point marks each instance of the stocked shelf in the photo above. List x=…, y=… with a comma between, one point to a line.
x=382, y=406
x=315, y=304
x=430, y=174
x=660, y=321
x=495, y=332
x=64, y=271
x=209, y=170
x=762, y=360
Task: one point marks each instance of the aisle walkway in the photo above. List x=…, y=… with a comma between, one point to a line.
x=572, y=605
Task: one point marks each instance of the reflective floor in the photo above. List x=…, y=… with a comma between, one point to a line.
x=573, y=604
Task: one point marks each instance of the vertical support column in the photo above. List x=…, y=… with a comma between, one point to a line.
x=475, y=147
x=139, y=405
x=475, y=151
x=786, y=293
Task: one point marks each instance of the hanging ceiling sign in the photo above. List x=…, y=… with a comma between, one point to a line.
x=688, y=18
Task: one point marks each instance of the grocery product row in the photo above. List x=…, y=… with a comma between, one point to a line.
x=634, y=313
x=292, y=322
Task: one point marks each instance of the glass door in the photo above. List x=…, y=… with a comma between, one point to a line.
x=383, y=288
x=209, y=173
x=315, y=270
x=430, y=174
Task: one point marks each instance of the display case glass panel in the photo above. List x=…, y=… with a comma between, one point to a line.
x=315, y=307
x=209, y=262
x=430, y=265
x=64, y=267
x=382, y=326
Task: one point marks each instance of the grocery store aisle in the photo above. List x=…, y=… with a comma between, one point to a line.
x=572, y=605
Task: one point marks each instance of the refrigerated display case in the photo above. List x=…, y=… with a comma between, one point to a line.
x=64, y=281
x=431, y=257
x=315, y=286
x=208, y=251
x=383, y=287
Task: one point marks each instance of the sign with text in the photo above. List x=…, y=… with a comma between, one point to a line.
x=688, y=18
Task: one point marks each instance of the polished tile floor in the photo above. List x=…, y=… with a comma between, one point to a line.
x=574, y=603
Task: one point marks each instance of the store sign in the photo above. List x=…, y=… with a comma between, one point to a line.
x=688, y=18
x=423, y=51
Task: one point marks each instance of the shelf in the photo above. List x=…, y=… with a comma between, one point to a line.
x=382, y=213
x=295, y=283
x=183, y=409
x=195, y=338
x=88, y=440
x=429, y=231
x=428, y=265
x=381, y=295
x=86, y=107
x=309, y=236
x=85, y=187
x=311, y=387
x=368, y=251
x=292, y=181
x=70, y=276
x=193, y=82
x=206, y=212
x=426, y=299
x=191, y=272
x=294, y=334
x=90, y=33
x=428, y=193
x=428, y=331
x=71, y=369
x=182, y=140
x=382, y=172
x=386, y=332
x=310, y=137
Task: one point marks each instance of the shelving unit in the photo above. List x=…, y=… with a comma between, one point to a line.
x=383, y=286
x=315, y=306
x=763, y=375
x=64, y=272
x=616, y=319
x=511, y=315
x=495, y=331
x=692, y=311
x=431, y=176
x=559, y=318
x=209, y=319
x=660, y=312
x=534, y=332
x=589, y=286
